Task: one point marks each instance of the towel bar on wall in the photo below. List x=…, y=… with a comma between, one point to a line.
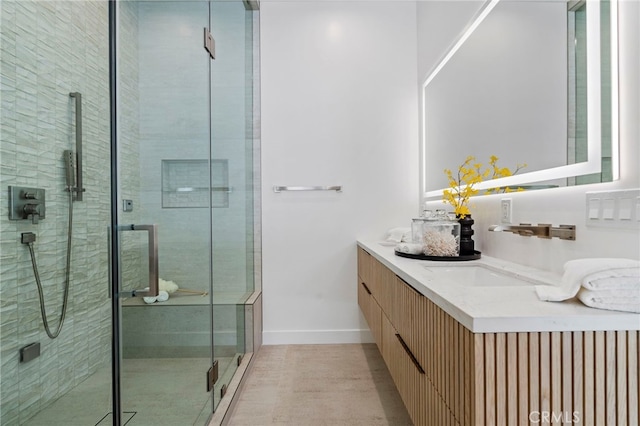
x=337, y=188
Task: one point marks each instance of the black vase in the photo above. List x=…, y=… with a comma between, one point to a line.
x=466, y=231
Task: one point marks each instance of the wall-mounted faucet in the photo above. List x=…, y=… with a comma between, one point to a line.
x=542, y=230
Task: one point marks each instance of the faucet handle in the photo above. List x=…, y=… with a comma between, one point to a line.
x=32, y=210
x=564, y=232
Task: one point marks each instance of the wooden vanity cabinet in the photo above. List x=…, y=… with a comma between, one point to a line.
x=447, y=375
x=393, y=309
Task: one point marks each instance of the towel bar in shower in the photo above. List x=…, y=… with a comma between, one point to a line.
x=337, y=188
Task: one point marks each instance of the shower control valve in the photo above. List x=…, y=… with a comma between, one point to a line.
x=26, y=203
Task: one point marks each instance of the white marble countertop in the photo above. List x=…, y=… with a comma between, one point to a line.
x=486, y=308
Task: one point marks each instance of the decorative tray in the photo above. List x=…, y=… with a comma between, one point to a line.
x=476, y=255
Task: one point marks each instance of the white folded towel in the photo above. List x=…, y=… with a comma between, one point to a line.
x=162, y=296
x=616, y=279
x=409, y=248
x=617, y=300
x=399, y=235
x=578, y=271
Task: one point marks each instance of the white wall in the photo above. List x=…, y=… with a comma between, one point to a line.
x=339, y=107
x=568, y=205
x=346, y=113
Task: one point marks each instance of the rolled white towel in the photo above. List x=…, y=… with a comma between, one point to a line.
x=579, y=270
x=617, y=300
x=149, y=299
x=163, y=296
x=168, y=286
x=409, y=248
x=399, y=235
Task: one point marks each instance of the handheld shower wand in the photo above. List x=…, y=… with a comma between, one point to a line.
x=29, y=238
x=70, y=169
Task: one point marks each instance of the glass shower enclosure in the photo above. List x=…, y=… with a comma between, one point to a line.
x=158, y=143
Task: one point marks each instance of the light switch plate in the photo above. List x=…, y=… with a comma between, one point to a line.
x=609, y=208
x=593, y=209
x=506, y=210
x=625, y=209
x=613, y=209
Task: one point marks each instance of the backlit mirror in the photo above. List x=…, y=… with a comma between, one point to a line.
x=529, y=82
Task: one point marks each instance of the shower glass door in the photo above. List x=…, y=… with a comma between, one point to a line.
x=232, y=176
x=164, y=214
x=183, y=174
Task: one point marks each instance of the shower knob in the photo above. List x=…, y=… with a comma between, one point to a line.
x=32, y=210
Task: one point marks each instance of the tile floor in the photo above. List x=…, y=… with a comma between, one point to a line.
x=313, y=385
x=302, y=385
x=146, y=401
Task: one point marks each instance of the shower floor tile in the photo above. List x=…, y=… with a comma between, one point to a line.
x=108, y=419
x=144, y=388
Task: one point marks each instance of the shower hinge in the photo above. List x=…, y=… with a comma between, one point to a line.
x=223, y=391
x=209, y=43
x=212, y=376
x=239, y=360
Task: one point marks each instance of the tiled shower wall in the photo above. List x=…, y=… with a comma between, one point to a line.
x=175, y=127
x=174, y=130
x=134, y=245
x=49, y=49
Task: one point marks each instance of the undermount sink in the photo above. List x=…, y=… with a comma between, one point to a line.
x=478, y=276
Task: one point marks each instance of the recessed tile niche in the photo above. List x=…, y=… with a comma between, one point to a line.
x=185, y=184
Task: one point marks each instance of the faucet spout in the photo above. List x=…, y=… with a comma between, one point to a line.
x=524, y=229
x=564, y=232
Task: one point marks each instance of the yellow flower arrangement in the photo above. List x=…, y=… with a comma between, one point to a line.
x=500, y=172
x=469, y=174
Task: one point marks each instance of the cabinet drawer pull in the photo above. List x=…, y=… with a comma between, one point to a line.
x=408, y=351
x=365, y=287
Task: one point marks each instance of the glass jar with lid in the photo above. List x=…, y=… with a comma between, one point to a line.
x=417, y=225
x=438, y=234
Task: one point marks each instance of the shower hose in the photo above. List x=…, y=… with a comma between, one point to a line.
x=66, y=278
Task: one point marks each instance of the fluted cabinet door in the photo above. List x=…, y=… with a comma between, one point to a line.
x=447, y=375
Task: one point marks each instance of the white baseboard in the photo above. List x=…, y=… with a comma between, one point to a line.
x=315, y=337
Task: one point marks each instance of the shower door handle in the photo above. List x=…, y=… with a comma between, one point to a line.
x=154, y=276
